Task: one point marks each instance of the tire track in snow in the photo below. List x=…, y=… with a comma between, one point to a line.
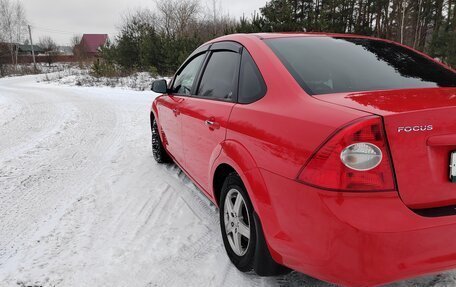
x=37, y=119
x=194, y=255
x=31, y=180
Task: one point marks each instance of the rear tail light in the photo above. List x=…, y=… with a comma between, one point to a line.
x=361, y=156
x=354, y=159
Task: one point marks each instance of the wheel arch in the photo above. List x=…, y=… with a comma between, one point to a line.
x=153, y=113
x=152, y=117
x=235, y=157
x=220, y=174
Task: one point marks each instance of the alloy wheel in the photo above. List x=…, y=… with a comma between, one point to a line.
x=236, y=221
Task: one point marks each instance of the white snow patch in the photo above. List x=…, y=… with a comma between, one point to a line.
x=75, y=76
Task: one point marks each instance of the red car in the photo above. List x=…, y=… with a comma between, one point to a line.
x=333, y=155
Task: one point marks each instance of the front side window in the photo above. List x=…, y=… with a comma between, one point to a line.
x=219, y=80
x=326, y=65
x=184, y=80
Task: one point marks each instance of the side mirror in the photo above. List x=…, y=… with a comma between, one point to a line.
x=160, y=86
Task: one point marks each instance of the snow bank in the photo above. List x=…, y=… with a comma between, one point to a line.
x=75, y=76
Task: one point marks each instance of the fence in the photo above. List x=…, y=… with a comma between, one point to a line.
x=39, y=59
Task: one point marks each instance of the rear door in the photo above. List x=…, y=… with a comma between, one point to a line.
x=169, y=105
x=205, y=115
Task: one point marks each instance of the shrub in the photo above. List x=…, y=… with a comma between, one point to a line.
x=102, y=68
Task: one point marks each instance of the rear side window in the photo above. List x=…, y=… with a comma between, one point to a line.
x=183, y=82
x=219, y=80
x=325, y=65
x=251, y=83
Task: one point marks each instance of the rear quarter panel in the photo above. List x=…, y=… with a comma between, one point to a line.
x=283, y=129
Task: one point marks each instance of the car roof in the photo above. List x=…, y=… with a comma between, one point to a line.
x=265, y=36
x=302, y=34
x=287, y=35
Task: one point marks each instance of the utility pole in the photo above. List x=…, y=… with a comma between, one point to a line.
x=31, y=45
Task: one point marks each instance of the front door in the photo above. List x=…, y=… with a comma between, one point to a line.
x=169, y=106
x=205, y=115
x=170, y=124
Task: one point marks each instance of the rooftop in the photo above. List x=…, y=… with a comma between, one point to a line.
x=92, y=42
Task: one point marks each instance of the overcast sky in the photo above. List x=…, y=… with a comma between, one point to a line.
x=61, y=19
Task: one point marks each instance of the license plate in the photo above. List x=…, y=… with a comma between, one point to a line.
x=453, y=167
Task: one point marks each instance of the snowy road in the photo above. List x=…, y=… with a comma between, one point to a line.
x=82, y=203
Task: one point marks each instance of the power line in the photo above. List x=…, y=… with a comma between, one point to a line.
x=53, y=30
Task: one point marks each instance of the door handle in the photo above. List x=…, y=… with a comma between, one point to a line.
x=176, y=112
x=211, y=124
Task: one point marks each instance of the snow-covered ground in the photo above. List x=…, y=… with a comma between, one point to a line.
x=82, y=202
x=72, y=75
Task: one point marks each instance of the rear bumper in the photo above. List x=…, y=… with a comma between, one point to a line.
x=353, y=239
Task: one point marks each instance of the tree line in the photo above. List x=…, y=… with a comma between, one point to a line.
x=426, y=25
x=159, y=40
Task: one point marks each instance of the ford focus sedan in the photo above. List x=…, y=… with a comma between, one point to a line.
x=333, y=155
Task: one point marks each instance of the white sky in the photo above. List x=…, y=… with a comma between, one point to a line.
x=61, y=19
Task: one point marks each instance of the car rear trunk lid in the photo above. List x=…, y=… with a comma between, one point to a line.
x=421, y=129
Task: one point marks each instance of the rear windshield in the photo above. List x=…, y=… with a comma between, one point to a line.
x=326, y=65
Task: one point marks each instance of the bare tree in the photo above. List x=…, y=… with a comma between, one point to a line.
x=167, y=17
x=78, y=51
x=177, y=17
x=75, y=41
x=12, y=25
x=20, y=24
x=47, y=44
x=6, y=25
x=139, y=16
x=215, y=16
x=186, y=15
x=49, y=47
x=404, y=7
x=214, y=4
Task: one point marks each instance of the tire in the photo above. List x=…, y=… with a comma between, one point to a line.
x=242, y=256
x=254, y=254
x=159, y=152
